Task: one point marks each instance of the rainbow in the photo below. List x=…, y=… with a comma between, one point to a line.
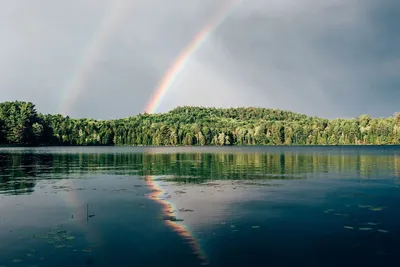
x=158, y=194
x=183, y=58
x=92, y=54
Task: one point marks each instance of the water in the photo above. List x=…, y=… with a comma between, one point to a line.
x=242, y=206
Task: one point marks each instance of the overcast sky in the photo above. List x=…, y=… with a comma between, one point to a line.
x=104, y=58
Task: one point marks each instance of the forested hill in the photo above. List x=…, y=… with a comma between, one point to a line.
x=238, y=114
x=21, y=124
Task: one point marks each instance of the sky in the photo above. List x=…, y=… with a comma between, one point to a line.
x=105, y=58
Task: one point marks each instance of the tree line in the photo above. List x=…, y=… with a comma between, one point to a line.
x=21, y=124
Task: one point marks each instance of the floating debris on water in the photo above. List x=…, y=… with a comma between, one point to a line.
x=371, y=208
x=376, y=209
x=348, y=227
x=365, y=206
x=383, y=231
x=17, y=260
x=341, y=214
x=365, y=229
x=154, y=191
x=233, y=226
x=171, y=218
x=56, y=236
x=186, y=210
x=329, y=210
x=372, y=223
x=255, y=226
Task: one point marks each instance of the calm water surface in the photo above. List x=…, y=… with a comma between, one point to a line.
x=252, y=206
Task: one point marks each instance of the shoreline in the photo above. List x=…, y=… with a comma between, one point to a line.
x=198, y=146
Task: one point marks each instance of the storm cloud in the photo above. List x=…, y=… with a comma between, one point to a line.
x=325, y=58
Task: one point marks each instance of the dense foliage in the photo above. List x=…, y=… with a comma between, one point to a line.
x=21, y=124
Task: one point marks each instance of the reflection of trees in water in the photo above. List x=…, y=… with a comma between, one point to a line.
x=17, y=187
x=19, y=171
x=396, y=161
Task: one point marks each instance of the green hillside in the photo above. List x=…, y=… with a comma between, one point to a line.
x=21, y=124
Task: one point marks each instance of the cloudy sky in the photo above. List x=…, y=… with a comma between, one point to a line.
x=104, y=58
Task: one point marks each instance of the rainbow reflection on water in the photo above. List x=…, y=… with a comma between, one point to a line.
x=169, y=211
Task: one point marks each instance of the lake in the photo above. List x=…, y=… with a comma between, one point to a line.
x=196, y=206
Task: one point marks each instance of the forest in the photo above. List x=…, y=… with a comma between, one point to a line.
x=21, y=124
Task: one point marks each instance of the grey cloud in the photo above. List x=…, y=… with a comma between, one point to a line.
x=320, y=58
x=203, y=82
x=41, y=41
x=46, y=41
x=326, y=58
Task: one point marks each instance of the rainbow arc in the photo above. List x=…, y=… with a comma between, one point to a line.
x=184, y=57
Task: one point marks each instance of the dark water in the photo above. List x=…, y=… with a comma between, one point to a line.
x=272, y=206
